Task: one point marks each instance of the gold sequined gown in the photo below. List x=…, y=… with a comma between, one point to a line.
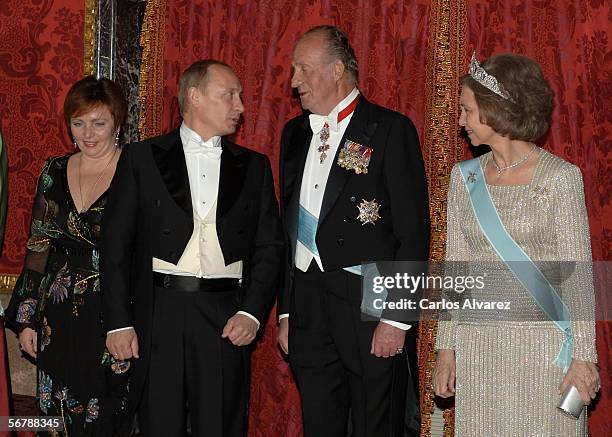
x=507, y=382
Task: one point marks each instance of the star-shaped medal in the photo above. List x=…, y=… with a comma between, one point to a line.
x=368, y=211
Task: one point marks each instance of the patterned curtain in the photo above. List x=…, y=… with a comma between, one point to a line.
x=41, y=56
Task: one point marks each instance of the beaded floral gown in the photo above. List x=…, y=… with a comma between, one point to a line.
x=506, y=379
x=58, y=295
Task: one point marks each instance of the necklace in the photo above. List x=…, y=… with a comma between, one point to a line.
x=514, y=164
x=95, y=184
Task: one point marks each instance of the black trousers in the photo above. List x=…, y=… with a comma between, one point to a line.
x=193, y=370
x=329, y=350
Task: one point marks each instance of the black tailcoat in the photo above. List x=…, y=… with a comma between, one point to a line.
x=327, y=338
x=149, y=214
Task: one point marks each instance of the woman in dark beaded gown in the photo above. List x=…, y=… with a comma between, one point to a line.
x=55, y=306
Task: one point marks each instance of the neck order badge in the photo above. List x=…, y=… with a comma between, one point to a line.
x=324, y=135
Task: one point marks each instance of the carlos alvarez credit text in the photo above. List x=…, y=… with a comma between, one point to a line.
x=412, y=283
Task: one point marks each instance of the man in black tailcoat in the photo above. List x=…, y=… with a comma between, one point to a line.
x=191, y=254
x=353, y=189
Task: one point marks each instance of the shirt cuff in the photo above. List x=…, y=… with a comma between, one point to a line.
x=399, y=325
x=120, y=329
x=244, y=313
x=283, y=316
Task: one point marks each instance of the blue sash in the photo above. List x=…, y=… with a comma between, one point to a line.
x=307, y=230
x=307, y=233
x=519, y=263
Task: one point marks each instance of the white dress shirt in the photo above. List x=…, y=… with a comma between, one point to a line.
x=202, y=257
x=316, y=173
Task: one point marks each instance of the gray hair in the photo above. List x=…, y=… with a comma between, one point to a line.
x=338, y=48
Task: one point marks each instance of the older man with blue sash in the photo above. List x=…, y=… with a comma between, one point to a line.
x=353, y=189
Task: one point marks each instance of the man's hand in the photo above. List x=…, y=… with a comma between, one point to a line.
x=387, y=340
x=444, y=374
x=123, y=345
x=585, y=377
x=28, y=339
x=240, y=330
x=282, y=334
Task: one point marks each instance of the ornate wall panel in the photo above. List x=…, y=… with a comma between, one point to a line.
x=112, y=50
x=443, y=147
x=129, y=16
x=41, y=55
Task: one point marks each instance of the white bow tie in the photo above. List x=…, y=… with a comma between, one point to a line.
x=318, y=121
x=206, y=148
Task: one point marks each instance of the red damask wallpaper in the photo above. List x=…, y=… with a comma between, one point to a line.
x=257, y=38
x=41, y=55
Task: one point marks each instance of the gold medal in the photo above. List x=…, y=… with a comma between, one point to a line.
x=354, y=156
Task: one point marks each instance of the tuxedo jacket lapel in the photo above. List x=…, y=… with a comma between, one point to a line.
x=169, y=157
x=231, y=178
x=170, y=160
x=294, y=172
x=359, y=130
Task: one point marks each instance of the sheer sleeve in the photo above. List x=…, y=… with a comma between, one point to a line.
x=574, y=251
x=29, y=289
x=456, y=250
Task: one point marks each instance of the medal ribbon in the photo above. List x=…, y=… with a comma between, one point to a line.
x=348, y=110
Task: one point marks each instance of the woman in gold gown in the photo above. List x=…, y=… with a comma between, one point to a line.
x=503, y=372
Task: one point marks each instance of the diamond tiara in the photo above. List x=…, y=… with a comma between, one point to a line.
x=480, y=75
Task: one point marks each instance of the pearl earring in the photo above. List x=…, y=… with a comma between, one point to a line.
x=117, y=139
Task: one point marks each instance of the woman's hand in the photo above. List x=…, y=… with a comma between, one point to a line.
x=585, y=377
x=444, y=373
x=28, y=339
